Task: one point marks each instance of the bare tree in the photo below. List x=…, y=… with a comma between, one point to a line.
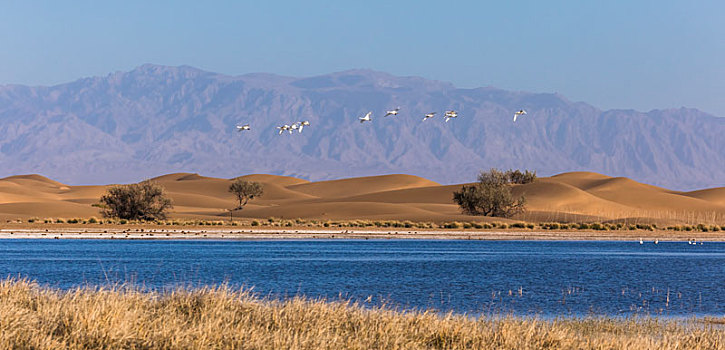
x=490, y=196
x=142, y=201
x=244, y=191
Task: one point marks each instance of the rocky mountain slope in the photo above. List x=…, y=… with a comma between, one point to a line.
x=156, y=119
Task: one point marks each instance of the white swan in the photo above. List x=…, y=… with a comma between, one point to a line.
x=283, y=128
x=393, y=112
x=366, y=118
x=302, y=124
x=450, y=115
x=429, y=115
x=521, y=112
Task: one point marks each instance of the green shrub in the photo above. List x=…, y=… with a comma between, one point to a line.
x=93, y=220
x=145, y=201
x=583, y=226
x=452, y=225
x=490, y=196
x=518, y=225
x=123, y=221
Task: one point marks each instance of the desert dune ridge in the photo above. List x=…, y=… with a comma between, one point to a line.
x=567, y=197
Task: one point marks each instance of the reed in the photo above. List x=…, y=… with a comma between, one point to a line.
x=36, y=317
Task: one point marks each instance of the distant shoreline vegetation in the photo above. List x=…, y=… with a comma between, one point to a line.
x=39, y=317
x=272, y=222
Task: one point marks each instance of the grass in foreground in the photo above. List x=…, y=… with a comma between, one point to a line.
x=34, y=317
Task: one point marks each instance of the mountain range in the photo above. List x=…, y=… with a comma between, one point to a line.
x=128, y=126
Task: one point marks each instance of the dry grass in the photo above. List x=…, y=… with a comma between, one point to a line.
x=630, y=216
x=34, y=317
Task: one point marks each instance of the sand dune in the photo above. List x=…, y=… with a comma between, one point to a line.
x=361, y=185
x=575, y=196
x=274, y=179
x=712, y=195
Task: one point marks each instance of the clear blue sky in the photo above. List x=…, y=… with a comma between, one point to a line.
x=612, y=54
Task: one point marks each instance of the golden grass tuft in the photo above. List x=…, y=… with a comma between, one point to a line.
x=36, y=317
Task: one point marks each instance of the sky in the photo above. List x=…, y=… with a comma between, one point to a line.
x=635, y=54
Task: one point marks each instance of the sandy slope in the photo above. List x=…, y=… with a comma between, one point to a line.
x=576, y=196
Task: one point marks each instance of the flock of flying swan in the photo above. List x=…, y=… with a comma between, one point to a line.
x=368, y=117
x=297, y=126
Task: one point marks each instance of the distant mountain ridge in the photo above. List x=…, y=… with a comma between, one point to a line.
x=158, y=119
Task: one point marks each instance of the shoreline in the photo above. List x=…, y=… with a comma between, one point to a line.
x=235, y=233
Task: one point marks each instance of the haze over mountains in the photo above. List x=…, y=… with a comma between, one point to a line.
x=156, y=119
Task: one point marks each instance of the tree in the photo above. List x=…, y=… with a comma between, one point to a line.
x=142, y=201
x=490, y=196
x=518, y=177
x=245, y=191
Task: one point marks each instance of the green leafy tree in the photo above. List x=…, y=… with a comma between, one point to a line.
x=490, y=196
x=142, y=201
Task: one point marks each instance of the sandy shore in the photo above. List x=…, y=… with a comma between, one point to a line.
x=235, y=233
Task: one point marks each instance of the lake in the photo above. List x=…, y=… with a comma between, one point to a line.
x=545, y=278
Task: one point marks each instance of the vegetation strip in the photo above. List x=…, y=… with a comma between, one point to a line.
x=32, y=316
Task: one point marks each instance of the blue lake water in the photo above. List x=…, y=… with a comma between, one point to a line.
x=522, y=277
